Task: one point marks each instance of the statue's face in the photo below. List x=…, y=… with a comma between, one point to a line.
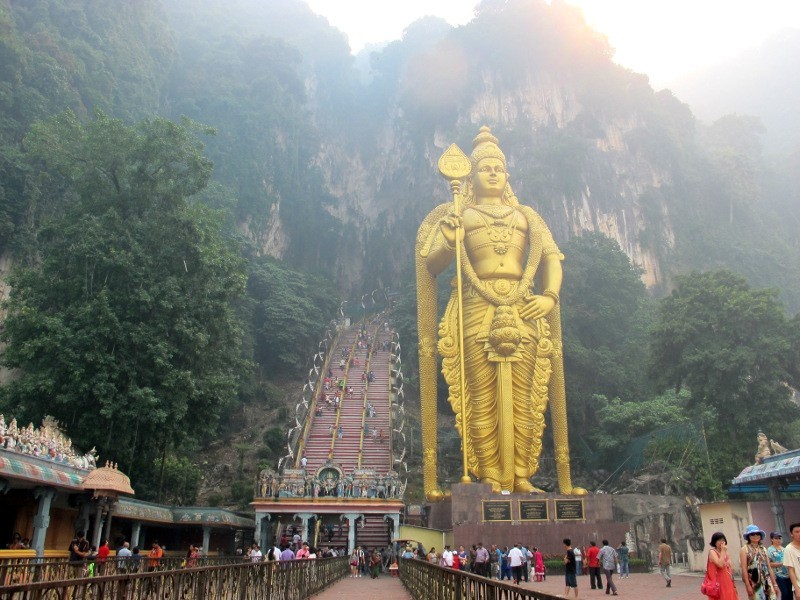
x=490, y=177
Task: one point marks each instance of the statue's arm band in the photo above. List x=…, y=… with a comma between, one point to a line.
x=551, y=294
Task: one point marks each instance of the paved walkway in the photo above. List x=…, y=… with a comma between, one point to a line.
x=644, y=586
x=685, y=586
x=365, y=588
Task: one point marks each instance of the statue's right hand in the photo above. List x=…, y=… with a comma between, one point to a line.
x=449, y=227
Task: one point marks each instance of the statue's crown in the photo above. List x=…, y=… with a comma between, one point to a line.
x=485, y=146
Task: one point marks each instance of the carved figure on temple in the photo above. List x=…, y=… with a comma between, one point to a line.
x=505, y=329
x=777, y=448
x=763, y=450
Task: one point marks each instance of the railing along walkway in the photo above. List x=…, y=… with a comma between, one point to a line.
x=432, y=582
x=290, y=580
x=34, y=570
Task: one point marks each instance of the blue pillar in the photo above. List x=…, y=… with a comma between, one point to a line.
x=41, y=521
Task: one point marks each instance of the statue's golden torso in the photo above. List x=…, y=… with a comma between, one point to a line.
x=496, y=239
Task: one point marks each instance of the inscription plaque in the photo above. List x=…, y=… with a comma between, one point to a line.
x=569, y=510
x=496, y=510
x=533, y=510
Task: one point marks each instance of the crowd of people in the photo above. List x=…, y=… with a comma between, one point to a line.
x=768, y=572
x=363, y=561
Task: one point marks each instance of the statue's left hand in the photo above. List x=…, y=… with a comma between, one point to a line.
x=537, y=307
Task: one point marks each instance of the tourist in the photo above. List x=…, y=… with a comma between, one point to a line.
x=78, y=551
x=433, y=558
x=447, y=557
x=408, y=552
x=570, y=579
x=505, y=565
x=526, y=562
x=16, y=542
x=255, y=554
x=664, y=560
x=594, y=566
x=193, y=552
x=775, y=554
x=515, y=560
x=624, y=561
x=102, y=556
x=354, y=563
x=578, y=560
x=759, y=580
x=124, y=557
x=286, y=553
x=482, y=561
x=791, y=556
x=719, y=569
x=375, y=564
x=462, y=558
x=303, y=553
x=156, y=552
x=136, y=559
x=495, y=562
x=363, y=563
x=538, y=564
x=608, y=559
x=340, y=432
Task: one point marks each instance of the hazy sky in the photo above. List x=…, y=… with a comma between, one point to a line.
x=662, y=38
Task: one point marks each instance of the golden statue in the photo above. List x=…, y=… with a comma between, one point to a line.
x=511, y=362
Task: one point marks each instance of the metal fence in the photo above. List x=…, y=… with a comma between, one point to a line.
x=289, y=580
x=33, y=570
x=432, y=582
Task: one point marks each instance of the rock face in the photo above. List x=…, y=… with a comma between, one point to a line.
x=655, y=517
x=597, y=184
x=6, y=263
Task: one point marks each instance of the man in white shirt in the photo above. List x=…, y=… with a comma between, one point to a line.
x=255, y=554
x=447, y=557
x=515, y=561
x=791, y=559
x=124, y=557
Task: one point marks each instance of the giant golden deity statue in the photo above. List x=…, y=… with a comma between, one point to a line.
x=500, y=335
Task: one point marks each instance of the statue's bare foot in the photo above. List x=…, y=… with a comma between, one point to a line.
x=576, y=491
x=523, y=486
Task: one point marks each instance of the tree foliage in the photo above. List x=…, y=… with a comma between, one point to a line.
x=124, y=328
x=729, y=345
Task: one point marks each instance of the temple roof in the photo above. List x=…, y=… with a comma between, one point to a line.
x=108, y=481
x=785, y=466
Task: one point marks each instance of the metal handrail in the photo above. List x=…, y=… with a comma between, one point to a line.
x=29, y=570
x=289, y=580
x=432, y=582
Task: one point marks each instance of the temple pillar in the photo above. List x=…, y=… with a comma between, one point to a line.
x=107, y=528
x=41, y=521
x=98, y=522
x=83, y=519
x=206, y=539
x=395, y=524
x=777, y=507
x=257, y=532
x=136, y=532
x=304, y=518
x=351, y=529
x=261, y=529
x=5, y=485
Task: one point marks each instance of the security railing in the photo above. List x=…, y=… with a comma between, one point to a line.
x=31, y=570
x=432, y=582
x=290, y=580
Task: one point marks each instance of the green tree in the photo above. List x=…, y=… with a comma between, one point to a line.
x=606, y=314
x=288, y=311
x=123, y=328
x=729, y=345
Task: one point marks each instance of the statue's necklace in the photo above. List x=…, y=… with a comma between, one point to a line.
x=499, y=231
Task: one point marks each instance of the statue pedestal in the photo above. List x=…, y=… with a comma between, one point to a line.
x=543, y=520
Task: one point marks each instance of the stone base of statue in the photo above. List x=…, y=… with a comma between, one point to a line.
x=475, y=514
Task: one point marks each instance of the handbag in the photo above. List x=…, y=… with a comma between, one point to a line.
x=709, y=587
